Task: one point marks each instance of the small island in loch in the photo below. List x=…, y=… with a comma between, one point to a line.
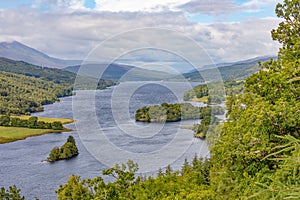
x=175, y=112
x=181, y=111
x=65, y=152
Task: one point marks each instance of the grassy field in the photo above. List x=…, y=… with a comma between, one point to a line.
x=11, y=134
x=202, y=99
x=44, y=119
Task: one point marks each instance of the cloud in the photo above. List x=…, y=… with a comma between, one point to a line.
x=137, y=5
x=59, y=5
x=258, y=5
x=74, y=35
x=211, y=7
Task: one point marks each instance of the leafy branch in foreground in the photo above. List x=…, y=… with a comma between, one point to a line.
x=12, y=193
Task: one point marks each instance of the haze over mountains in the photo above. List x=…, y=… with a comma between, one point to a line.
x=228, y=71
x=121, y=72
x=20, y=52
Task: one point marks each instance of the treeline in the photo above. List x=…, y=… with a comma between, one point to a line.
x=65, y=152
x=174, y=112
x=184, y=184
x=216, y=93
x=31, y=122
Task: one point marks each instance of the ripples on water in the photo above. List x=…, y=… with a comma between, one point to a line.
x=21, y=160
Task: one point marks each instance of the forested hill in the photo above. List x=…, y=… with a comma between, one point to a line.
x=20, y=94
x=25, y=88
x=48, y=74
x=231, y=71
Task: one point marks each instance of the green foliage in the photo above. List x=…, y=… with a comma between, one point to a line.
x=12, y=193
x=198, y=91
x=284, y=183
x=4, y=120
x=54, y=75
x=96, y=188
x=67, y=151
x=25, y=88
x=264, y=119
x=71, y=139
x=174, y=112
x=57, y=125
x=31, y=122
x=21, y=94
x=288, y=32
x=215, y=92
x=208, y=122
x=186, y=184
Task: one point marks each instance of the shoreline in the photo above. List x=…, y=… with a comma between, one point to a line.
x=12, y=134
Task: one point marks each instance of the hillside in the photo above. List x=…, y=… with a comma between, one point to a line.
x=20, y=94
x=229, y=71
x=18, y=51
x=120, y=72
x=48, y=74
x=55, y=75
x=25, y=88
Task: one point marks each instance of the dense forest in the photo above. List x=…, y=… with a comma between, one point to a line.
x=254, y=155
x=47, y=74
x=25, y=88
x=175, y=112
x=20, y=94
x=216, y=93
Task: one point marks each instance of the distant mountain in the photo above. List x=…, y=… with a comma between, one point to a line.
x=120, y=72
x=229, y=71
x=20, y=52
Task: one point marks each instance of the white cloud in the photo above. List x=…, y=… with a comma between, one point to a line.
x=59, y=5
x=258, y=5
x=210, y=7
x=74, y=35
x=137, y=5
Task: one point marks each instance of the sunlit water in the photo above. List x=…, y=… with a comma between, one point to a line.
x=20, y=161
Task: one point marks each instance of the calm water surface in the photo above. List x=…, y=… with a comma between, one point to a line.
x=20, y=161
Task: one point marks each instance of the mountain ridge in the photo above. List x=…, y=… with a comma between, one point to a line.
x=20, y=52
x=229, y=71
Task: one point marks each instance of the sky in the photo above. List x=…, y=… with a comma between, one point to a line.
x=225, y=30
